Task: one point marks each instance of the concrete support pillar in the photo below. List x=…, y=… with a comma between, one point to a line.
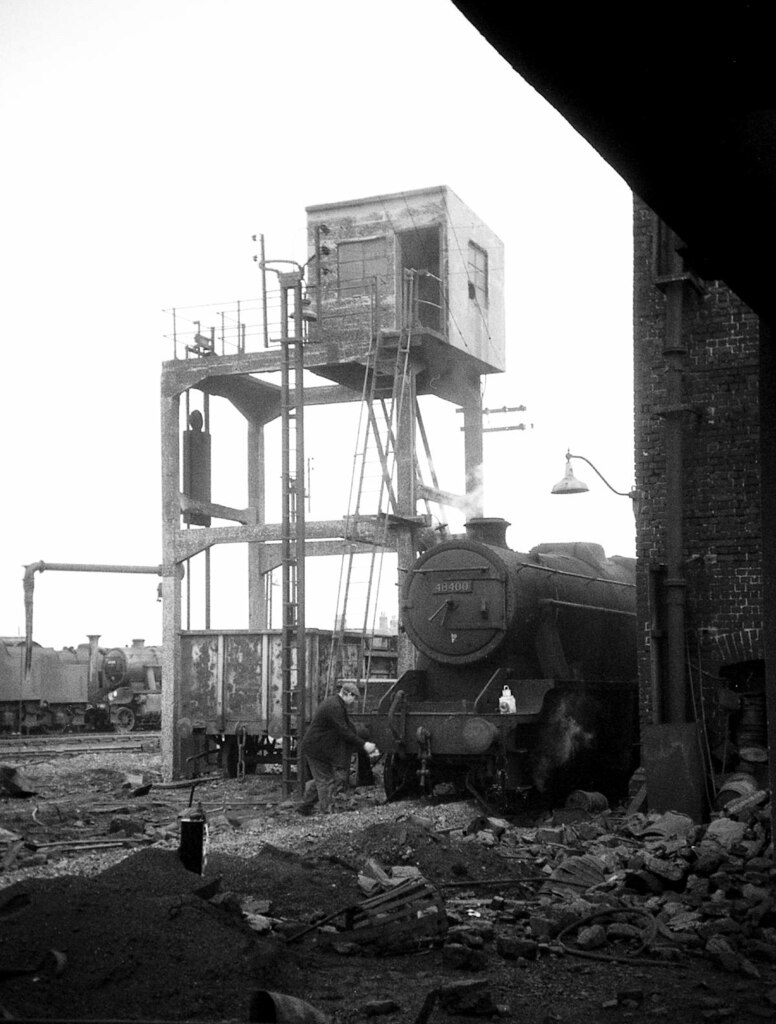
x=473, y=451
x=171, y=589
x=257, y=600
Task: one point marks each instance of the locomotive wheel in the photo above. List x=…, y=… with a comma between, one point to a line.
x=399, y=777
x=125, y=720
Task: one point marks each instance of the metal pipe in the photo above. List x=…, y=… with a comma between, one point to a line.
x=34, y=567
x=264, y=291
x=29, y=590
x=300, y=534
x=675, y=698
x=767, y=396
x=187, y=413
x=287, y=624
x=206, y=408
x=655, y=639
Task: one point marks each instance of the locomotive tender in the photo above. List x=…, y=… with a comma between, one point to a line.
x=86, y=687
x=556, y=627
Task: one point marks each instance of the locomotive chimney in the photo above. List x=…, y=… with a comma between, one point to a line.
x=491, y=531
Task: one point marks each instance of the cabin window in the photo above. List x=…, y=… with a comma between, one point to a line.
x=359, y=262
x=478, y=274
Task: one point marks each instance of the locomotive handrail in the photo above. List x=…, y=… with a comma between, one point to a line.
x=526, y=565
x=576, y=575
x=458, y=568
x=497, y=676
x=585, y=607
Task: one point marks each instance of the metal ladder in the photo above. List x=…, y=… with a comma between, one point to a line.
x=293, y=654
x=376, y=434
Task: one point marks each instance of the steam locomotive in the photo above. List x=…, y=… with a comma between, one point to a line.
x=526, y=670
x=82, y=688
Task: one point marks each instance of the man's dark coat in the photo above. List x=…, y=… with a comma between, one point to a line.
x=331, y=736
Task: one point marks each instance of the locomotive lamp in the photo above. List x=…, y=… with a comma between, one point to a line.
x=571, y=485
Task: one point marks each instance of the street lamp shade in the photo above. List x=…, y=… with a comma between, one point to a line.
x=569, y=484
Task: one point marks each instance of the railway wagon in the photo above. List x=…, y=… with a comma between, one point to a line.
x=79, y=688
x=231, y=689
x=525, y=679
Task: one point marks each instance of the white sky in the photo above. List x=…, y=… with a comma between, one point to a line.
x=145, y=141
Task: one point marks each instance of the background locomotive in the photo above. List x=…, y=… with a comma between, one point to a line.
x=83, y=687
x=555, y=626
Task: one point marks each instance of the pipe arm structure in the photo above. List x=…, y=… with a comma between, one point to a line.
x=29, y=588
x=632, y=493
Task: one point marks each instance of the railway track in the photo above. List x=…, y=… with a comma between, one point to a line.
x=78, y=743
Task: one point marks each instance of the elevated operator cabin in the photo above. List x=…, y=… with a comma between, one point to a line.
x=420, y=262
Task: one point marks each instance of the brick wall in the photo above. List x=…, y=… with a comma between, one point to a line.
x=721, y=558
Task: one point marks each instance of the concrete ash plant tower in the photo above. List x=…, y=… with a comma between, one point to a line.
x=401, y=296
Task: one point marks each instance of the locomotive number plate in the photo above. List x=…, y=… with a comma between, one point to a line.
x=453, y=587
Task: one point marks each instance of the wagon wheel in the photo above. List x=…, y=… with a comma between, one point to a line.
x=125, y=719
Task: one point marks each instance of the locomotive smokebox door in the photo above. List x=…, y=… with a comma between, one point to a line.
x=455, y=603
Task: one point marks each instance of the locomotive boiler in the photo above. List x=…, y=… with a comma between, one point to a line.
x=526, y=670
x=79, y=688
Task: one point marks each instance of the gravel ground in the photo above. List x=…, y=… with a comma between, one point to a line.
x=128, y=933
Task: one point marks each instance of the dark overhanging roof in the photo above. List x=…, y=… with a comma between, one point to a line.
x=679, y=100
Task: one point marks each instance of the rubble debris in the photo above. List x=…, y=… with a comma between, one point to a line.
x=591, y=935
x=409, y=916
x=670, y=825
x=374, y=879
x=581, y=800
x=482, y=823
x=255, y=912
x=379, y=1007
x=265, y=1006
x=127, y=825
x=630, y=997
x=704, y=900
x=470, y=997
x=133, y=781
x=515, y=947
x=12, y=851
x=14, y=783
x=428, y=1005
x=576, y=874
x=724, y=833
x=53, y=962
x=671, y=872
x=455, y=954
